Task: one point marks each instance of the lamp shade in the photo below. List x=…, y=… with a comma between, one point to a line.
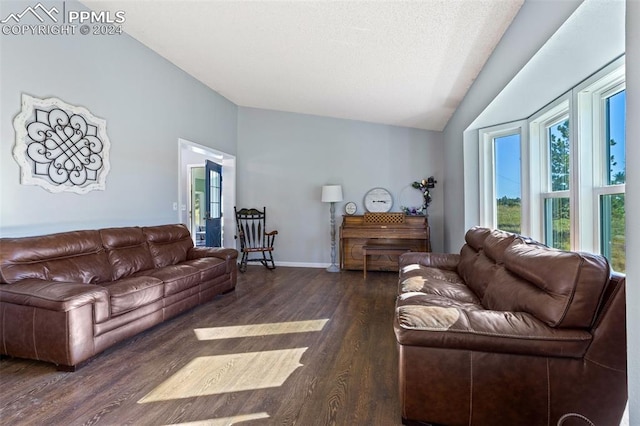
x=331, y=193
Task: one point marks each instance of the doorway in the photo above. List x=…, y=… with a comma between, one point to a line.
x=192, y=194
x=197, y=203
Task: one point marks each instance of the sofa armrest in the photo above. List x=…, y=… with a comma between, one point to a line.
x=226, y=254
x=57, y=296
x=435, y=260
x=219, y=252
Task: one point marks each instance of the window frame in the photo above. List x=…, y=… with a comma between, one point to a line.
x=584, y=106
x=540, y=178
x=590, y=98
x=487, y=181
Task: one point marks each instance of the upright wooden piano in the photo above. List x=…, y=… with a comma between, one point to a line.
x=380, y=229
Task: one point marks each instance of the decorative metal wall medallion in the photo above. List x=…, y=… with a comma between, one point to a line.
x=61, y=147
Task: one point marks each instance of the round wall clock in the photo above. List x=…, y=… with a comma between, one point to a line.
x=350, y=208
x=378, y=200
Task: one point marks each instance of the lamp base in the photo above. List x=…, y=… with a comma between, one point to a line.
x=333, y=268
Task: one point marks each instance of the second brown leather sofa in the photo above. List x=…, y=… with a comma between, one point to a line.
x=510, y=332
x=68, y=296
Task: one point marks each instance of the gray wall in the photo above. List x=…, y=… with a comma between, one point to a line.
x=284, y=159
x=148, y=104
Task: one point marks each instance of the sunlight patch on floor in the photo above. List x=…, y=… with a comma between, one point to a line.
x=214, y=333
x=211, y=375
x=225, y=421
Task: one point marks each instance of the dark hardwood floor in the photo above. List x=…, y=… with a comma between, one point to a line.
x=347, y=376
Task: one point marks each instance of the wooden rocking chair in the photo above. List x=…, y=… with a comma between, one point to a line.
x=254, y=238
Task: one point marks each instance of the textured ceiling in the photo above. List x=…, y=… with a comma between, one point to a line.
x=405, y=63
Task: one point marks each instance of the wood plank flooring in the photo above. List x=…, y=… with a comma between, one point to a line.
x=347, y=375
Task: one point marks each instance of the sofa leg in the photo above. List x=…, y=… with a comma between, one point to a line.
x=73, y=368
x=66, y=368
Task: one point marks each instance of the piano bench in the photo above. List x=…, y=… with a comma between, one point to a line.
x=381, y=249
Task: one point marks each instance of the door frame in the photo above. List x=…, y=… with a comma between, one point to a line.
x=190, y=153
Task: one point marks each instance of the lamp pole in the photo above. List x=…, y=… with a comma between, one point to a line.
x=333, y=267
x=332, y=194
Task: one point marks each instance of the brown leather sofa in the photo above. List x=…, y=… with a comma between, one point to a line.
x=510, y=332
x=68, y=296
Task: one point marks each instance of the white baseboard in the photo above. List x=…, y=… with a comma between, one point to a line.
x=303, y=264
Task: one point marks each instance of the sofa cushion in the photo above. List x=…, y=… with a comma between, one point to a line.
x=418, y=270
x=131, y=293
x=478, y=271
x=209, y=267
x=475, y=237
x=560, y=288
x=496, y=243
x=439, y=322
x=76, y=256
x=468, y=258
x=168, y=244
x=482, y=274
x=469, y=255
x=436, y=281
x=176, y=278
x=127, y=250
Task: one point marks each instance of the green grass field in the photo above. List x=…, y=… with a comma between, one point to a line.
x=509, y=219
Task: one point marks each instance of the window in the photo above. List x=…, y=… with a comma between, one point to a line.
x=508, y=189
x=611, y=193
x=556, y=185
x=501, y=167
x=568, y=187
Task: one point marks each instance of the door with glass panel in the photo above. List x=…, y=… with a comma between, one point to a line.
x=213, y=201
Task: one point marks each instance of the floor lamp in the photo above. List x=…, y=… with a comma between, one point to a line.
x=332, y=194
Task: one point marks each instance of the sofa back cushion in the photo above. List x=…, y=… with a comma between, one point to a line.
x=474, y=238
x=561, y=288
x=482, y=256
x=76, y=256
x=127, y=250
x=168, y=244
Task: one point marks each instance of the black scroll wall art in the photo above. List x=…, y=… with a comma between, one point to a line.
x=61, y=147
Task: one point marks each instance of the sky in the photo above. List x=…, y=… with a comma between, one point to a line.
x=617, y=114
x=507, y=150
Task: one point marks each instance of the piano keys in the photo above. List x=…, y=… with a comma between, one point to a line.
x=380, y=229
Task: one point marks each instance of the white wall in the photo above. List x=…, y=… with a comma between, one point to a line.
x=533, y=27
x=632, y=204
x=284, y=159
x=534, y=24
x=148, y=104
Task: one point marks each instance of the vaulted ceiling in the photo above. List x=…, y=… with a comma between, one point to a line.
x=405, y=63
